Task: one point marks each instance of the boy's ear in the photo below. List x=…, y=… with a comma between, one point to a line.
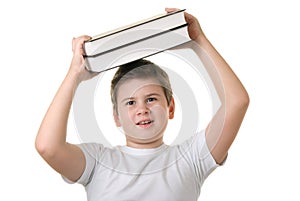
x=116, y=118
x=172, y=109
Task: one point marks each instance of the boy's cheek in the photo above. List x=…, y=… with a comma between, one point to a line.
x=117, y=119
x=159, y=109
x=125, y=116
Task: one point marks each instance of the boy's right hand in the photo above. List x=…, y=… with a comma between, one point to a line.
x=194, y=28
x=77, y=67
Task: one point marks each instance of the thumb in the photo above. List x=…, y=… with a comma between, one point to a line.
x=77, y=44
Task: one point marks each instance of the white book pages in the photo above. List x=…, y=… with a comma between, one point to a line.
x=137, y=50
x=133, y=32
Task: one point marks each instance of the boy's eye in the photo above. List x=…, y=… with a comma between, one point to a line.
x=130, y=103
x=151, y=99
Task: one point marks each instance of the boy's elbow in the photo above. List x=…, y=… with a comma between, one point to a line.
x=239, y=102
x=246, y=99
x=40, y=146
x=243, y=101
x=44, y=148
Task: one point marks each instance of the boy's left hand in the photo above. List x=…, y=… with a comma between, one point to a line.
x=77, y=63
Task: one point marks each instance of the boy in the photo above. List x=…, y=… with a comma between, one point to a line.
x=145, y=169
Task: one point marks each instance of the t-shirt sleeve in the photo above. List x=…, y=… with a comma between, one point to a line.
x=91, y=151
x=197, y=153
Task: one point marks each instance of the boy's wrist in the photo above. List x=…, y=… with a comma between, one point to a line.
x=201, y=39
x=74, y=77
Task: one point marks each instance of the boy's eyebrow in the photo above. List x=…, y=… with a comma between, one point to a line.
x=126, y=99
x=153, y=94
x=148, y=95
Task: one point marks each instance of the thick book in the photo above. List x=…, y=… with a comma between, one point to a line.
x=141, y=29
x=135, y=41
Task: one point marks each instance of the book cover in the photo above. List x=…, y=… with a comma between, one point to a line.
x=139, y=30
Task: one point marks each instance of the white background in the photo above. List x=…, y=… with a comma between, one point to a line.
x=259, y=39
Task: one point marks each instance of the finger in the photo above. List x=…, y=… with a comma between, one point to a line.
x=188, y=17
x=78, y=44
x=169, y=10
x=73, y=44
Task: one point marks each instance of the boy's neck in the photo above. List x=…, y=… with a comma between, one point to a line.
x=147, y=145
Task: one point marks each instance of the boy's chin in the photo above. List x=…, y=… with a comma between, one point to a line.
x=144, y=139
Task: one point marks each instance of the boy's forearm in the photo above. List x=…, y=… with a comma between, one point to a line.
x=53, y=129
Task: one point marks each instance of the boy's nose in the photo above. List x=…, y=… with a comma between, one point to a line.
x=142, y=109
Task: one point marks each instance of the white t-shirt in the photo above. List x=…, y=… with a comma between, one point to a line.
x=161, y=174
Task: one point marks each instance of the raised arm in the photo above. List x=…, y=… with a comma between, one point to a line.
x=224, y=126
x=65, y=158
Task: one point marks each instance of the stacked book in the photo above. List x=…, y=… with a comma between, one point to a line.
x=135, y=41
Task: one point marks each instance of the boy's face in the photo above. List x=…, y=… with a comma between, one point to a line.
x=143, y=111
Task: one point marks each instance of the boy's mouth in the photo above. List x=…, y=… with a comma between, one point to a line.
x=144, y=123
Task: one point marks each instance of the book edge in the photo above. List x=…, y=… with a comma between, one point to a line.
x=129, y=26
x=146, y=38
x=93, y=69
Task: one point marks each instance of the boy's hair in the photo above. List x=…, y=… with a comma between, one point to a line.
x=140, y=69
